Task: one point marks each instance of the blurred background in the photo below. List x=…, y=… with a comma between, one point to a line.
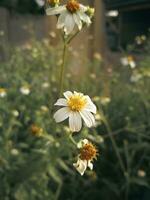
x=112, y=58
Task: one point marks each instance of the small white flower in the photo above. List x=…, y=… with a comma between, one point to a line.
x=15, y=113
x=76, y=107
x=44, y=108
x=141, y=173
x=128, y=61
x=45, y=85
x=25, y=90
x=3, y=92
x=88, y=152
x=135, y=77
x=15, y=152
x=40, y=2
x=70, y=15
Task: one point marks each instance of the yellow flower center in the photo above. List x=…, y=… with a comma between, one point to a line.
x=2, y=90
x=130, y=59
x=72, y=6
x=88, y=152
x=76, y=102
x=36, y=131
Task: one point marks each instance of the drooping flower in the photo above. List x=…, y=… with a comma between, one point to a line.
x=76, y=107
x=70, y=15
x=88, y=152
x=3, y=92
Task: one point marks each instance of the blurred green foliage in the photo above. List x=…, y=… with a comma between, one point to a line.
x=39, y=166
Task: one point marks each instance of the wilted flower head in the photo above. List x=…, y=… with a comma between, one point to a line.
x=71, y=14
x=36, y=130
x=3, y=92
x=76, y=107
x=88, y=152
x=25, y=90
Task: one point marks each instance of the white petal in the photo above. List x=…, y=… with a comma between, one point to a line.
x=55, y=10
x=80, y=166
x=85, y=18
x=90, y=105
x=68, y=94
x=69, y=24
x=88, y=118
x=81, y=143
x=77, y=21
x=132, y=64
x=90, y=165
x=61, y=102
x=75, y=122
x=83, y=8
x=61, y=20
x=61, y=114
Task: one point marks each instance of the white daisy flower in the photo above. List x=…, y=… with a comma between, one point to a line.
x=70, y=15
x=3, y=92
x=128, y=61
x=76, y=107
x=25, y=90
x=88, y=152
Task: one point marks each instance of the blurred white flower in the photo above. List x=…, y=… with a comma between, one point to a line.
x=141, y=173
x=45, y=85
x=15, y=113
x=97, y=56
x=128, y=61
x=15, y=152
x=44, y=108
x=105, y=100
x=140, y=39
x=25, y=90
x=40, y=2
x=88, y=153
x=52, y=34
x=70, y=15
x=135, y=77
x=3, y=92
x=76, y=107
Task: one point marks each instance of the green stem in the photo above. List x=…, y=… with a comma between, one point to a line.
x=113, y=143
x=62, y=68
x=72, y=140
x=72, y=37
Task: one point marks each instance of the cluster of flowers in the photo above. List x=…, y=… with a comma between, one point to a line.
x=71, y=18
x=75, y=107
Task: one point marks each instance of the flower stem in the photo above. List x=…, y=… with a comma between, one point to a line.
x=62, y=69
x=113, y=142
x=72, y=140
